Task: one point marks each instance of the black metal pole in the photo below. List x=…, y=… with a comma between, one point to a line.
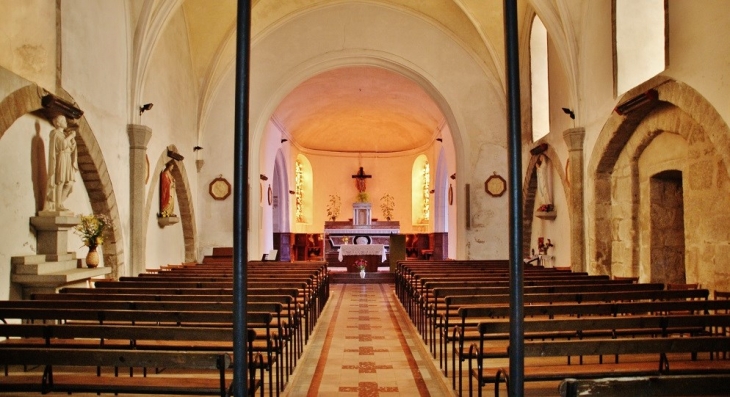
x=516, y=336
x=240, y=198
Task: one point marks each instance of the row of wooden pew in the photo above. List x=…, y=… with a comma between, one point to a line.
x=461, y=309
x=162, y=324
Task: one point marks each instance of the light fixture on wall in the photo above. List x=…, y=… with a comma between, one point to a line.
x=569, y=113
x=284, y=140
x=145, y=107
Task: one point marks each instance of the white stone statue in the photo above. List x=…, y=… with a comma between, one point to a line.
x=543, y=181
x=62, y=165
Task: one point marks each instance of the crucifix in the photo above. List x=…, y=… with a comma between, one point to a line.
x=360, y=182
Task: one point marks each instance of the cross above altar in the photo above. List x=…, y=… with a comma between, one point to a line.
x=360, y=182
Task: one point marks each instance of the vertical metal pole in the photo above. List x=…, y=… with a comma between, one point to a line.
x=516, y=336
x=240, y=198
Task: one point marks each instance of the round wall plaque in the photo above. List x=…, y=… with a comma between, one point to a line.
x=495, y=185
x=219, y=188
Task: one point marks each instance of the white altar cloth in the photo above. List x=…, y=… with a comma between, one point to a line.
x=362, y=249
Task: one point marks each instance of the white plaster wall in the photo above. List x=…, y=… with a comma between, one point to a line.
x=364, y=33
x=698, y=56
x=94, y=73
x=28, y=40
x=215, y=217
x=171, y=87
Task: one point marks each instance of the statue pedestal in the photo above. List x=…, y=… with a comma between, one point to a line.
x=53, y=267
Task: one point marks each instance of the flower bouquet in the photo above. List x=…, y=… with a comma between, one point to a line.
x=361, y=264
x=91, y=229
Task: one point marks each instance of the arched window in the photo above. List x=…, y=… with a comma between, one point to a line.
x=303, y=190
x=421, y=191
x=539, y=79
x=639, y=42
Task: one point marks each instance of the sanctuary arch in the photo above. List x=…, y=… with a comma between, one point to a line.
x=622, y=186
x=92, y=167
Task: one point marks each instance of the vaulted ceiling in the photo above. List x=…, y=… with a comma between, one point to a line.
x=353, y=109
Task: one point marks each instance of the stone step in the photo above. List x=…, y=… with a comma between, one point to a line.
x=61, y=278
x=46, y=267
x=370, y=278
x=37, y=259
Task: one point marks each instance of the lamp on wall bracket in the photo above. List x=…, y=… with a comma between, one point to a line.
x=145, y=107
x=570, y=113
x=263, y=177
x=284, y=140
x=641, y=100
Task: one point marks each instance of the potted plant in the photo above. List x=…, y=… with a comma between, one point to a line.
x=333, y=207
x=387, y=204
x=91, y=229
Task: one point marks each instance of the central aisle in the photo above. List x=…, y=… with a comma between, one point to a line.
x=364, y=345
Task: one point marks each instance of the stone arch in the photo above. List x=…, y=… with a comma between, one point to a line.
x=184, y=197
x=92, y=167
x=679, y=109
x=529, y=190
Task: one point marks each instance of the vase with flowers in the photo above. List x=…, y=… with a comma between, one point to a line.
x=361, y=265
x=91, y=229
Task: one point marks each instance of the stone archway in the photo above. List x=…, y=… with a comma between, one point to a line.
x=529, y=190
x=679, y=109
x=92, y=167
x=184, y=199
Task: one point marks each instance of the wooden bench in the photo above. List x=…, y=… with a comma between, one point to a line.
x=85, y=383
x=663, y=385
x=646, y=357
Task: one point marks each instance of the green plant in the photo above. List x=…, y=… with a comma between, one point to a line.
x=387, y=204
x=91, y=229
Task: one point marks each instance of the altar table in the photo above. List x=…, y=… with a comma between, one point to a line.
x=374, y=254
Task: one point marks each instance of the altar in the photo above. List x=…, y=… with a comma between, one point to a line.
x=373, y=254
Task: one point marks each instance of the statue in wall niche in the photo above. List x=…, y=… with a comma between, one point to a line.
x=543, y=183
x=167, y=190
x=62, y=164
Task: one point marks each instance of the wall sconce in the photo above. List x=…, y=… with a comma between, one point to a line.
x=291, y=192
x=569, y=113
x=263, y=177
x=637, y=102
x=284, y=140
x=439, y=139
x=145, y=107
x=453, y=176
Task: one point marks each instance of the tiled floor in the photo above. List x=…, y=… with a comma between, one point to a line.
x=364, y=345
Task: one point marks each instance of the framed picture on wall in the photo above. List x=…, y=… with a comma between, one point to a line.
x=219, y=188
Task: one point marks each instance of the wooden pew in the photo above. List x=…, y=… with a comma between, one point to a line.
x=670, y=357
x=75, y=345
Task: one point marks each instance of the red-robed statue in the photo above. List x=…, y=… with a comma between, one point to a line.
x=167, y=189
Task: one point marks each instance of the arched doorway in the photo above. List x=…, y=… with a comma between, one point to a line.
x=666, y=201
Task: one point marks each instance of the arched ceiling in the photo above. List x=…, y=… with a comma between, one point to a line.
x=354, y=109
x=359, y=110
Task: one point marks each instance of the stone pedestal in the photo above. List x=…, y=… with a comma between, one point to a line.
x=53, y=267
x=52, y=229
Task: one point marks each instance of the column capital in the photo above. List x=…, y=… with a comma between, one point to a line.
x=139, y=136
x=574, y=138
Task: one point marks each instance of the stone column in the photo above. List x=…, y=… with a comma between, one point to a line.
x=574, y=138
x=139, y=136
